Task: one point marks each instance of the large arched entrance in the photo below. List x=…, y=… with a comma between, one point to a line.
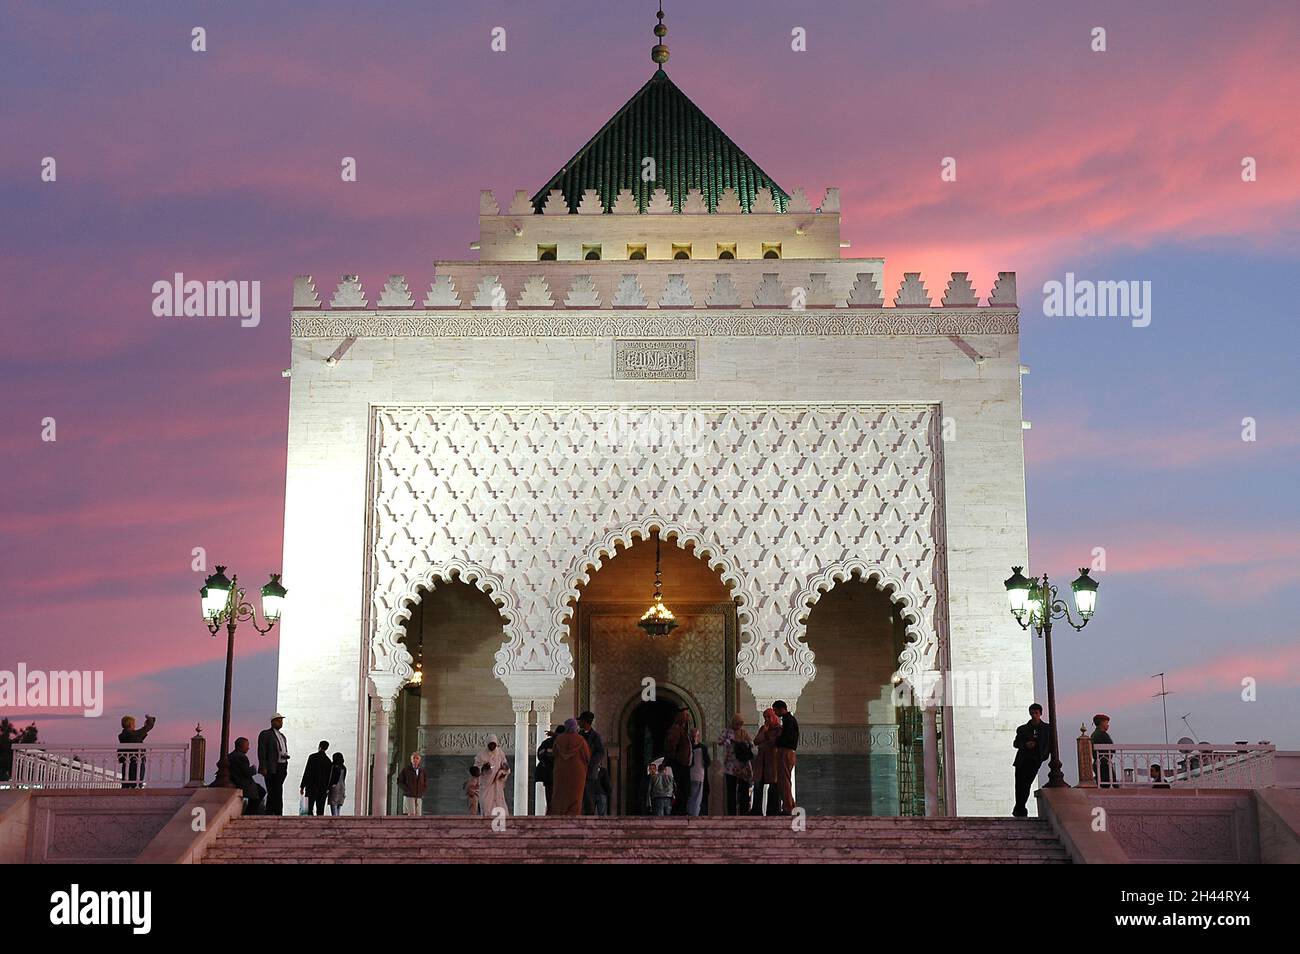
x=455, y=702
x=860, y=752
x=632, y=681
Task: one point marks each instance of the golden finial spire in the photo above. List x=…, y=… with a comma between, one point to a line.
x=659, y=52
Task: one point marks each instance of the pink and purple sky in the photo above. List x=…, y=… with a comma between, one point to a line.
x=1122, y=165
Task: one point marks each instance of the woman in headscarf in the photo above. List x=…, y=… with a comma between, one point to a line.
x=572, y=756
x=493, y=772
x=738, y=765
x=766, y=770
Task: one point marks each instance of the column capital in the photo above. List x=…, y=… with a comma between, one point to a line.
x=767, y=687
x=385, y=686
x=521, y=705
x=789, y=700
x=533, y=685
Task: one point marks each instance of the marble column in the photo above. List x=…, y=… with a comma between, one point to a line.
x=522, y=707
x=382, y=708
x=383, y=688
x=930, y=757
x=543, y=708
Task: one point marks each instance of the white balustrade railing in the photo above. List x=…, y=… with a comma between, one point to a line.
x=164, y=765
x=1202, y=765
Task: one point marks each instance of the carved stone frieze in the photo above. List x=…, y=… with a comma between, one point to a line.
x=526, y=502
x=654, y=358
x=882, y=322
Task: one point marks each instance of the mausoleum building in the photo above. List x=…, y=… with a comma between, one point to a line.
x=659, y=349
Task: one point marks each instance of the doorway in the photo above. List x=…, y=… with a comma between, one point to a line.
x=647, y=727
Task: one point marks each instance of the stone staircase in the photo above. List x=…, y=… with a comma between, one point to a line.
x=533, y=840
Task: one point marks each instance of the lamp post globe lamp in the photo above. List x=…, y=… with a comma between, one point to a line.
x=1034, y=604
x=222, y=601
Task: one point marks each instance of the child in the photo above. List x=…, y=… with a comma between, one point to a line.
x=471, y=789
x=661, y=791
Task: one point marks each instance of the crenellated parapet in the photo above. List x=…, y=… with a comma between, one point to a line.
x=795, y=285
x=588, y=202
x=834, y=296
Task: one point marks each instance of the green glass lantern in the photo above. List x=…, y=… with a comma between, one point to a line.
x=1085, y=594
x=1018, y=586
x=215, y=594
x=273, y=594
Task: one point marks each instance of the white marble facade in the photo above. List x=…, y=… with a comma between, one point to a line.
x=500, y=445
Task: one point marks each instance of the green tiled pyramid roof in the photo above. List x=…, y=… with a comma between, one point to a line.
x=689, y=150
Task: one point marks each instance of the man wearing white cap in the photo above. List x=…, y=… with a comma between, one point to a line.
x=273, y=763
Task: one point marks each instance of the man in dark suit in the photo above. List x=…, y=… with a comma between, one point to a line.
x=241, y=776
x=786, y=744
x=315, y=782
x=546, y=761
x=1033, y=747
x=593, y=796
x=273, y=763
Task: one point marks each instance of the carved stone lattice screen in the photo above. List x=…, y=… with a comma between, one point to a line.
x=783, y=500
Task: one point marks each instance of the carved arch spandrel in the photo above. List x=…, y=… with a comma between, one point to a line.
x=388, y=648
x=915, y=607
x=608, y=546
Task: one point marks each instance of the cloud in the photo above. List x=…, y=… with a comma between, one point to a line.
x=1212, y=562
x=1272, y=668
x=1055, y=443
x=1099, y=156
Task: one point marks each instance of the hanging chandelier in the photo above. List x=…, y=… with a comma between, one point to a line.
x=658, y=619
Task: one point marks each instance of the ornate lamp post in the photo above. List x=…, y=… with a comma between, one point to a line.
x=1034, y=603
x=223, y=601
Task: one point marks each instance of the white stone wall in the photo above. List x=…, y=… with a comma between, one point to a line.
x=321, y=683
x=322, y=634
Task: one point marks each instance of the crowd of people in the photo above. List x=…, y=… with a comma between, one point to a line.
x=573, y=767
x=761, y=764
x=324, y=778
x=323, y=782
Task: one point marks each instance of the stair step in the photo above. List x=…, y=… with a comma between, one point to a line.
x=785, y=839
x=434, y=839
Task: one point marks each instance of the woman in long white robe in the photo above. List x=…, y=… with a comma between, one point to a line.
x=493, y=772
